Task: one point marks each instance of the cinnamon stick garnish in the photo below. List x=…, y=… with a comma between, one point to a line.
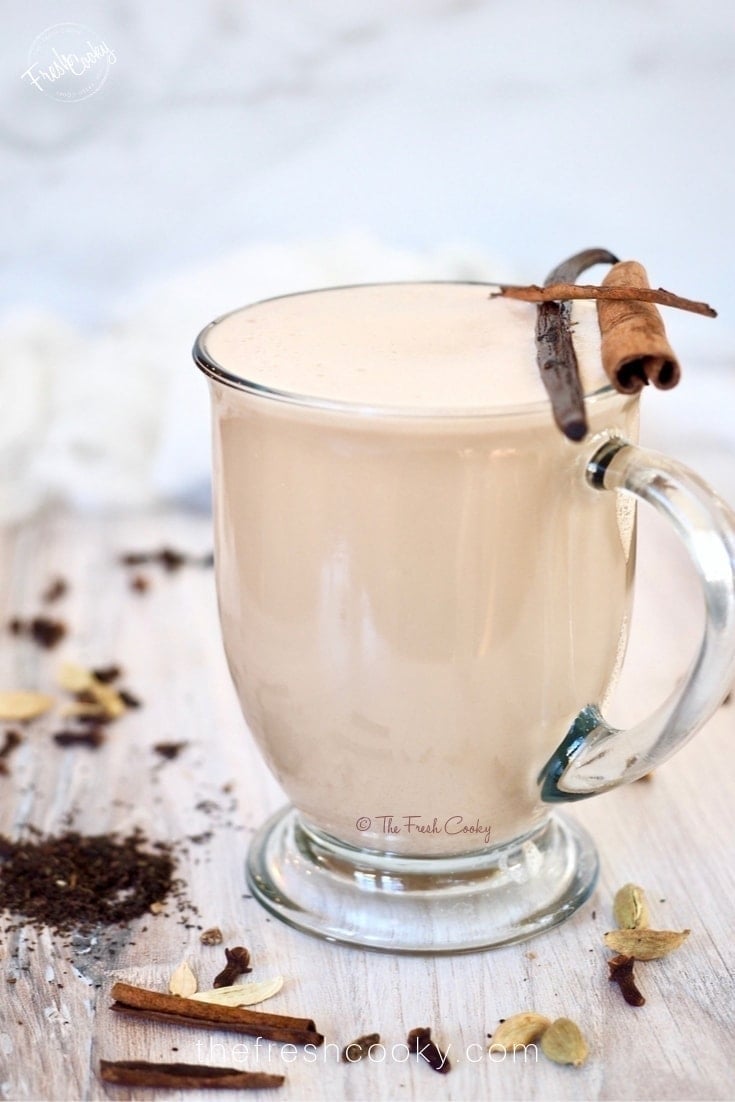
x=635, y=350
x=557, y=360
x=567, y=291
x=142, y=1073
x=155, y=1006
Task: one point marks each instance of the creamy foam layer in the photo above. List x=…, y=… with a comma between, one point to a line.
x=407, y=346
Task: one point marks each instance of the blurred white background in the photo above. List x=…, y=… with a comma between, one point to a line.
x=241, y=149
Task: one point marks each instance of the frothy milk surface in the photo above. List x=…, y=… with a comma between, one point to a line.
x=409, y=346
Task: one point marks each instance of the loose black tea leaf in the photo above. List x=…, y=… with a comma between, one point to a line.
x=74, y=882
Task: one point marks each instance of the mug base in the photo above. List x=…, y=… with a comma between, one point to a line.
x=421, y=905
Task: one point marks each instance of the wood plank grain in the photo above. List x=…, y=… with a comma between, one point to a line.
x=673, y=835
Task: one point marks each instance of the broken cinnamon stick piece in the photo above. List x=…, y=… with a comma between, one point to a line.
x=142, y=1073
x=155, y=1006
x=634, y=349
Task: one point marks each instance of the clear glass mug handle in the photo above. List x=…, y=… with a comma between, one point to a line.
x=595, y=757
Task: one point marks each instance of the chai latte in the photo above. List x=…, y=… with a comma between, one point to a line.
x=418, y=590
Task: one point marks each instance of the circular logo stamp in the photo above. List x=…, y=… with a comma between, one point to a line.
x=68, y=62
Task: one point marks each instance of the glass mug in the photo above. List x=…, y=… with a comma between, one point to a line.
x=424, y=590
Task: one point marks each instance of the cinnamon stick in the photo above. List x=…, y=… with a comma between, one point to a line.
x=635, y=350
x=567, y=291
x=155, y=1006
x=555, y=355
x=142, y=1073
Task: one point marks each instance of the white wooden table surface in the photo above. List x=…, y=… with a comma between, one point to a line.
x=673, y=835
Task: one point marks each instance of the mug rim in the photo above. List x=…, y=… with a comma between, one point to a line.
x=217, y=373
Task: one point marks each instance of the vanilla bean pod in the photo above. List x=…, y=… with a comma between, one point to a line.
x=555, y=355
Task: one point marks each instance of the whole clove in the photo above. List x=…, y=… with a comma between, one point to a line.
x=359, y=1048
x=621, y=973
x=238, y=963
x=419, y=1040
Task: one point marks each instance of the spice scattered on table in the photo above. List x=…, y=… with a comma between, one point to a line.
x=138, y=1003
x=11, y=740
x=630, y=907
x=23, y=706
x=519, y=1030
x=238, y=964
x=635, y=941
x=621, y=973
x=359, y=1048
x=241, y=994
x=92, y=738
x=183, y=981
x=42, y=630
x=88, y=689
x=563, y=1043
x=645, y=944
x=107, y=674
x=130, y=700
x=57, y=588
x=168, y=558
x=143, y=1073
x=169, y=750
x=561, y=1040
x=74, y=882
x=212, y=936
x=419, y=1042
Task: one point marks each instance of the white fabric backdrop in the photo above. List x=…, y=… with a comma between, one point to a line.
x=239, y=149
